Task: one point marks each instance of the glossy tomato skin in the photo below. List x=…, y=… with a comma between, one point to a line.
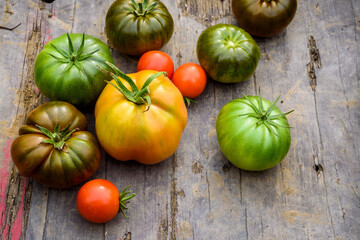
x=76, y=162
x=135, y=35
x=247, y=144
x=227, y=53
x=127, y=132
x=83, y=82
x=98, y=201
x=190, y=79
x=158, y=61
x=264, y=18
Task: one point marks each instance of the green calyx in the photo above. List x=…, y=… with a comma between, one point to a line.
x=142, y=8
x=137, y=96
x=269, y=1
x=72, y=57
x=57, y=138
x=124, y=200
x=264, y=115
x=232, y=39
x=188, y=101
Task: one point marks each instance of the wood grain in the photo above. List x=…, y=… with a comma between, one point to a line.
x=314, y=193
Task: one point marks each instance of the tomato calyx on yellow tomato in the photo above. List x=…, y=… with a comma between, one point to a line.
x=140, y=116
x=136, y=95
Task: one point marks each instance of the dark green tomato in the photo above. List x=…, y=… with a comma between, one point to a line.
x=54, y=148
x=264, y=18
x=227, y=53
x=67, y=69
x=253, y=137
x=134, y=29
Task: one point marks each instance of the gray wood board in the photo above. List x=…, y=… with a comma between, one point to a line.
x=313, y=193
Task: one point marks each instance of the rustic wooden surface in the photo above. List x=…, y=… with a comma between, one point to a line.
x=196, y=194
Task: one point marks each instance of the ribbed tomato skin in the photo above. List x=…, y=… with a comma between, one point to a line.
x=264, y=18
x=77, y=87
x=246, y=143
x=228, y=54
x=135, y=35
x=126, y=131
x=55, y=168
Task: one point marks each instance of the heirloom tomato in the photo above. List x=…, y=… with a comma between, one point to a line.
x=54, y=148
x=99, y=201
x=227, y=53
x=67, y=68
x=264, y=18
x=140, y=116
x=158, y=61
x=253, y=133
x=135, y=27
x=190, y=79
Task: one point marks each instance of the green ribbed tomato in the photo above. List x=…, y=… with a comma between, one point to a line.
x=253, y=133
x=227, y=53
x=67, y=68
x=135, y=27
x=54, y=148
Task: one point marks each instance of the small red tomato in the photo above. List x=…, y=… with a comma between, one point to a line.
x=190, y=79
x=99, y=201
x=158, y=61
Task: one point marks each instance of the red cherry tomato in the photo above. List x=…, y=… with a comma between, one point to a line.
x=99, y=200
x=190, y=79
x=158, y=61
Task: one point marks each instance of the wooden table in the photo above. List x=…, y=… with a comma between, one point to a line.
x=314, y=193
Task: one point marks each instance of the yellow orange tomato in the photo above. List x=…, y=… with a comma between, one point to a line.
x=134, y=131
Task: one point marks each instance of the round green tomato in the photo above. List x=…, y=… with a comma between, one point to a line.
x=264, y=18
x=67, y=68
x=253, y=133
x=54, y=148
x=227, y=53
x=135, y=27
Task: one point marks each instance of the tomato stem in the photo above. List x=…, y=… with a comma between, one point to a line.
x=188, y=101
x=72, y=57
x=141, y=8
x=263, y=115
x=135, y=95
x=124, y=200
x=57, y=138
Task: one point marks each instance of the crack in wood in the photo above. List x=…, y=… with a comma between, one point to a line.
x=163, y=230
x=255, y=83
x=73, y=17
x=319, y=171
x=127, y=236
x=318, y=168
x=246, y=224
x=208, y=188
x=197, y=168
x=328, y=207
x=173, y=200
x=315, y=60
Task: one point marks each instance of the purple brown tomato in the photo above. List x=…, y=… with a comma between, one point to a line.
x=54, y=148
x=264, y=18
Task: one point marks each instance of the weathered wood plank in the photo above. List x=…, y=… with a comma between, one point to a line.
x=196, y=194
x=337, y=107
x=19, y=49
